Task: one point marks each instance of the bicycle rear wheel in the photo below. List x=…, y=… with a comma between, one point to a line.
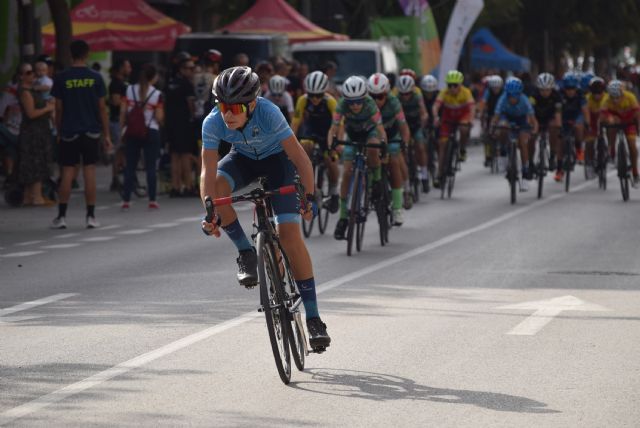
x=362, y=214
x=382, y=211
x=298, y=342
x=273, y=305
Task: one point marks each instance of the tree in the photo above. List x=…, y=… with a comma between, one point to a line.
x=62, y=23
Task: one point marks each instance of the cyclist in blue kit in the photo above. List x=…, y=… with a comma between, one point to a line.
x=263, y=145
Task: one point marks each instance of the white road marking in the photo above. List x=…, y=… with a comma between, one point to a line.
x=68, y=235
x=111, y=227
x=102, y=207
x=34, y=303
x=101, y=377
x=8, y=320
x=24, y=244
x=98, y=239
x=187, y=219
x=60, y=246
x=133, y=232
x=163, y=225
x=22, y=254
x=546, y=311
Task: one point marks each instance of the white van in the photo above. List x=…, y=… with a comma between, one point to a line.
x=360, y=57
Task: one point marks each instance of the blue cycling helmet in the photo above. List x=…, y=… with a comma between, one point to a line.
x=513, y=87
x=570, y=80
x=585, y=80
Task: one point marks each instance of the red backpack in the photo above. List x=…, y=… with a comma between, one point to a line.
x=136, y=124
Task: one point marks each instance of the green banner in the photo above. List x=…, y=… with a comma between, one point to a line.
x=404, y=34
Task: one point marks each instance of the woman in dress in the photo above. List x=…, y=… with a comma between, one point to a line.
x=34, y=141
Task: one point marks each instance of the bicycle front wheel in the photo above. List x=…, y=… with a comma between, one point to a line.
x=354, y=214
x=323, y=191
x=273, y=305
x=623, y=171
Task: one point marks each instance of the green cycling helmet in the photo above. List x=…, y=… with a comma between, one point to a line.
x=454, y=76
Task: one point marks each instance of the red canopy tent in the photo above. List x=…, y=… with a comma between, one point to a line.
x=119, y=25
x=276, y=16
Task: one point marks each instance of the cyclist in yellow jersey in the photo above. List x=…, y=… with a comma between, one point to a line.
x=313, y=115
x=457, y=105
x=622, y=108
x=596, y=100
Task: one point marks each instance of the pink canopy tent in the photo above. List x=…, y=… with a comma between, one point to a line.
x=276, y=16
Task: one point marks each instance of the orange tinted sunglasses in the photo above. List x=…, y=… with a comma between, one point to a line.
x=235, y=109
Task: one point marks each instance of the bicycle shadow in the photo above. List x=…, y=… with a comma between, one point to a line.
x=384, y=387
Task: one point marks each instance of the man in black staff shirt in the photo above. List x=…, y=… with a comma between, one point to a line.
x=81, y=115
x=120, y=72
x=181, y=130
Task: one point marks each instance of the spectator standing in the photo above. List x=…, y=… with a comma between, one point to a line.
x=264, y=70
x=330, y=69
x=120, y=72
x=145, y=98
x=35, y=137
x=241, y=59
x=81, y=115
x=181, y=133
x=11, y=115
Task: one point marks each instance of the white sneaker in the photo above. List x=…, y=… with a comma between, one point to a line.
x=524, y=185
x=92, y=223
x=58, y=223
x=398, y=217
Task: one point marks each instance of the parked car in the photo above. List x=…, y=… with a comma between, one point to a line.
x=360, y=57
x=259, y=47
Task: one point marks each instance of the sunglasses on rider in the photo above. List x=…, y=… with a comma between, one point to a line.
x=378, y=96
x=452, y=85
x=355, y=102
x=235, y=109
x=316, y=96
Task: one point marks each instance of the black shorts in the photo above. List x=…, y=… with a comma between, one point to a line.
x=83, y=147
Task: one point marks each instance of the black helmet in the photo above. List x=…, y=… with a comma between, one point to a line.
x=236, y=85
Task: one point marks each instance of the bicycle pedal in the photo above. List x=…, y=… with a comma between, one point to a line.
x=260, y=309
x=318, y=349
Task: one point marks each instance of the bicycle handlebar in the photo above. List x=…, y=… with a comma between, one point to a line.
x=255, y=195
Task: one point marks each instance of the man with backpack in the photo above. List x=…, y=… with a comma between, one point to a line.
x=81, y=116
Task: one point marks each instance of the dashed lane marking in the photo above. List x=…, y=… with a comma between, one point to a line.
x=22, y=254
x=163, y=225
x=133, y=232
x=67, y=235
x=60, y=246
x=98, y=239
x=24, y=244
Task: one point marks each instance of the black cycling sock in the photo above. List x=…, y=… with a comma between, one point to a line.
x=91, y=210
x=62, y=210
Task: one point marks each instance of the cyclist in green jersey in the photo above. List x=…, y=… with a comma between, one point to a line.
x=357, y=115
x=395, y=125
x=417, y=116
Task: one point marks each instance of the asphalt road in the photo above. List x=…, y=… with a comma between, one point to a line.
x=478, y=313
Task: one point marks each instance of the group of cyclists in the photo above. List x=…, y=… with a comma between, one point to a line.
x=415, y=118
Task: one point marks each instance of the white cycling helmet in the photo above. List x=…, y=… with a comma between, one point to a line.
x=406, y=84
x=495, y=82
x=614, y=88
x=355, y=87
x=429, y=83
x=545, y=81
x=316, y=82
x=277, y=85
x=378, y=83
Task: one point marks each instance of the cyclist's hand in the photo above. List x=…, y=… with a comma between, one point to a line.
x=311, y=208
x=212, y=228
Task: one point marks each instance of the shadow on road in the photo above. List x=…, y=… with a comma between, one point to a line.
x=383, y=387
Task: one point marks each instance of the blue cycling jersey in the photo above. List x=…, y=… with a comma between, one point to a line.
x=262, y=136
x=506, y=110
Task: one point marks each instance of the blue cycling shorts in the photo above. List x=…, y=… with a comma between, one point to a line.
x=240, y=171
